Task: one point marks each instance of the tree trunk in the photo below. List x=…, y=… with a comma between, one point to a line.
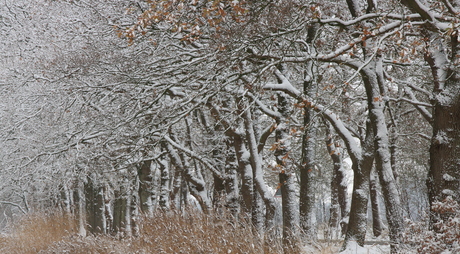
x=218, y=192
x=176, y=200
x=134, y=209
x=339, y=194
x=94, y=200
x=163, y=201
x=245, y=170
x=444, y=173
x=231, y=183
x=257, y=212
x=307, y=169
x=196, y=183
x=65, y=200
x=307, y=178
x=286, y=176
x=374, y=85
x=377, y=226
x=79, y=209
x=257, y=171
x=289, y=210
x=119, y=211
x=108, y=208
x=357, y=224
x=145, y=175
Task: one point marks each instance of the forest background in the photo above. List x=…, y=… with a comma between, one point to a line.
x=119, y=111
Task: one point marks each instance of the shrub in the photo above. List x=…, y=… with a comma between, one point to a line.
x=445, y=236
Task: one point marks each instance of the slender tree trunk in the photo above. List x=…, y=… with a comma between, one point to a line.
x=79, y=210
x=377, y=226
x=145, y=175
x=164, y=185
x=231, y=184
x=308, y=161
x=175, y=198
x=286, y=176
x=362, y=165
x=256, y=164
x=245, y=170
x=307, y=176
x=196, y=183
x=218, y=192
x=108, y=208
x=120, y=208
x=184, y=193
x=134, y=209
x=375, y=89
x=257, y=212
x=339, y=193
x=65, y=199
x=289, y=211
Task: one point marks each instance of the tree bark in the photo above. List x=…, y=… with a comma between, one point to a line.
x=120, y=211
x=145, y=175
x=245, y=170
x=377, y=226
x=339, y=194
x=94, y=200
x=374, y=85
x=257, y=171
x=79, y=209
x=196, y=184
x=357, y=225
x=307, y=169
x=444, y=174
x=286, y=176
x=164, y=185
x=231, y=183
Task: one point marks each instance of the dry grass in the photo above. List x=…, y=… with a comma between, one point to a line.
x=36, y=232
x=198, y=233
x=192, y=232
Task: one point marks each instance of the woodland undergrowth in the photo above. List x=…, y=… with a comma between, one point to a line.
x=171, y=232
x=444, y=237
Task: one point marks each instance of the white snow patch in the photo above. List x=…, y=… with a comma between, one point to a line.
x=443, y=99
x=448, y=177
x=347, y=161
x=353, y=247
x=448, y=192
x=245, y=156
x=361, y=193
x=441, y=138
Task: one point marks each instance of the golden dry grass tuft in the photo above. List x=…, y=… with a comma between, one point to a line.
x=199, y=233
x=35, y=232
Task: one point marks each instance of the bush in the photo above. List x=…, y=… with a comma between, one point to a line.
x=445, y=236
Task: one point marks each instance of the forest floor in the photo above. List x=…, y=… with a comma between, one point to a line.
x=165, y=233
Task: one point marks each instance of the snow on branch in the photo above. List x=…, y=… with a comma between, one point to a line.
x=334, y=119
x=263, y=107
x=193, y=155
x=425, y=13
x=285, y=86
x=334, y=56
x=15, y=205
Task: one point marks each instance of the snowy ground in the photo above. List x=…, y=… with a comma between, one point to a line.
x=334, y=246
x=354, y=248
